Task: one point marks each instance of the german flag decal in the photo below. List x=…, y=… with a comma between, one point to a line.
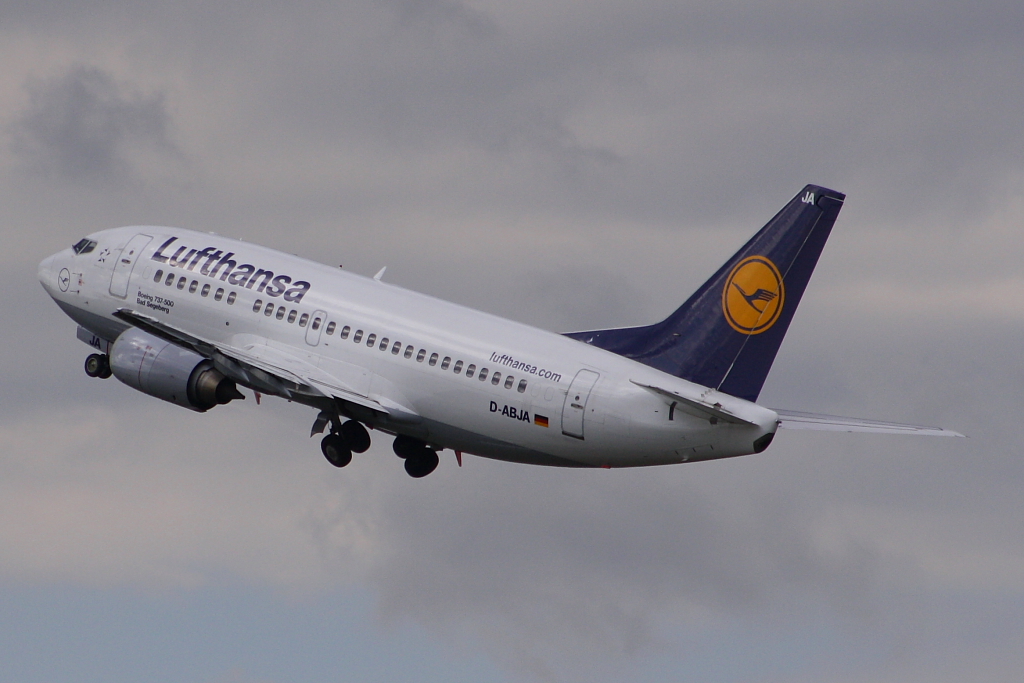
x=540, y=420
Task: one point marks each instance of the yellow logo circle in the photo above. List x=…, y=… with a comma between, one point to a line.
x=753, y=296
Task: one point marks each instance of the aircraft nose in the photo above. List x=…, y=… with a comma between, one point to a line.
x=47, y=278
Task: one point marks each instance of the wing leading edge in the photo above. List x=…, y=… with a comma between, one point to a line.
x=789, y=419
x=262, y=368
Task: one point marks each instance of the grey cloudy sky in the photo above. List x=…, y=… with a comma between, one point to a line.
x=571, y=165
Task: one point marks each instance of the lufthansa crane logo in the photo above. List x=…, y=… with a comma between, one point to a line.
x=753, y=296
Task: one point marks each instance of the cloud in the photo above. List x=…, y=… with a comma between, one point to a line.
x=98, y=505
x=87, y=128
x=572, y=167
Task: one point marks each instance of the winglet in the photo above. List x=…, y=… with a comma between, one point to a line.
x=380, y=274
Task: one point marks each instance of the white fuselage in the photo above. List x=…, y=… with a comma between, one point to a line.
x=607, y=420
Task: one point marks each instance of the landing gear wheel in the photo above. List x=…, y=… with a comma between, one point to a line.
x=422, y=464
x=355, y=436
x=97, y=365
x=335, y=450
x=407, y=447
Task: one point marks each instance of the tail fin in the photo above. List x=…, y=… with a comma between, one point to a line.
x=727, y=334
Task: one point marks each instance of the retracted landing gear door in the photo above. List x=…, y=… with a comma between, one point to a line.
x=126, y=263
x=576, y=403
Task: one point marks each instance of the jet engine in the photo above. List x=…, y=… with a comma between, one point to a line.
x=170, y=372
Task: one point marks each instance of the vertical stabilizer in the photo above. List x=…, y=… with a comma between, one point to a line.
x=727, y=334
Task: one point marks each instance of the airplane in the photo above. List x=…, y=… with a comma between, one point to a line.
x=190, y=317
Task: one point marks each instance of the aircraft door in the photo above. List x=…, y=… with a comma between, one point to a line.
x=576, y=403
x=126, y=263
x=316, y=323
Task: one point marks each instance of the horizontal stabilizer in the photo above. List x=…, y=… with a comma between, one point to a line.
x=832, y=423
x=693, y=405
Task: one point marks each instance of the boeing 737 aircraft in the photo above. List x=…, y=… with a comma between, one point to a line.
x=190, y=317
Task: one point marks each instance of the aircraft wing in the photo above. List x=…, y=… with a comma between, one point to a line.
x=789, y=419
x=258, y=366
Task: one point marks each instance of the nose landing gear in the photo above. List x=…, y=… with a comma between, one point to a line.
x=98, y=365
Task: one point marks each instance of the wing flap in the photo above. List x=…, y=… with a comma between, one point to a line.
x=285, y=365
x=789, y=419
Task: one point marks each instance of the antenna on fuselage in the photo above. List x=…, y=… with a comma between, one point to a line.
x=380, y=274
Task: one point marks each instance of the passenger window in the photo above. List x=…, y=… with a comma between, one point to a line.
x=316, y=324
x=433, y=360
x=269, y=310
x=370, y=340
x=330, y=328
x=303, y=319
x=219, y=294
x=280, y=312
x=509, y=381
x=470, y=370
x=257, y=306
x=383, y=344
x=181, y=283
x=522, y=386
x=421, y=355
x=159, y=276
x=408, y=351
x=170, y=279
x=292, y=315
x=193, y=287
x=496, y=378
x=458, y=367
x=231, y=298
x=446, y=362
x=205, y=291
x=358, y=336
x=344, y=332
x=483, y=374
x=396, y=348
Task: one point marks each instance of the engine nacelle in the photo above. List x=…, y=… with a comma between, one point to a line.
x=165, y=370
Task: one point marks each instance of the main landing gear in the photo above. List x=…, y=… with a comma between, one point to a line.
x=352, y=437
x=98, y=365
x=339, y=445
x=420, y=459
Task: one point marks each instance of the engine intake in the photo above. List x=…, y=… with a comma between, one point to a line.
x=169, y=372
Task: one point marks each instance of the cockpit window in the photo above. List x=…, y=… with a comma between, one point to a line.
x=84, y=246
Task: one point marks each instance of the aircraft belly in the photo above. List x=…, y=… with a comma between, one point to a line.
x=472, y=421
x=470, y=442
x=101, y=326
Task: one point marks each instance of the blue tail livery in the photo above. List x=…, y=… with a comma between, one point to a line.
x=727, y=334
